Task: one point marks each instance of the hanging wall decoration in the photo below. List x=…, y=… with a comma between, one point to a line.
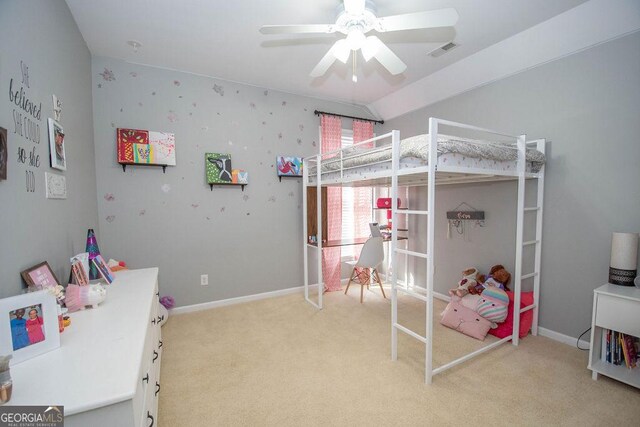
x=143, y=147
x=55, y=186
x=3, y=154
x=289, y=166
x=56, y=146
x=219, y=172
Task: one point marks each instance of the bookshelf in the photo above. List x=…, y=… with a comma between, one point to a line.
x=616, y=308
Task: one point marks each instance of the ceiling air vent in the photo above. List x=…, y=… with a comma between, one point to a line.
x=443, y=49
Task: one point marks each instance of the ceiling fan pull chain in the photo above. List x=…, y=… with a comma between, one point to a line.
x=354, y=77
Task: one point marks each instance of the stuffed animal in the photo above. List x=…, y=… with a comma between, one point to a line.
x=498, y=277
x=468, y=281
x=493, y=304
x=462, y=319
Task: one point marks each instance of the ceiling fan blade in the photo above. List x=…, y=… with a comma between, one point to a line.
x=339, y=51
x=413, y=21
x=354, y=7
x=298, y=29
x=374, y=48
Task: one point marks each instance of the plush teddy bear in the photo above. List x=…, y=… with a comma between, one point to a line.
x=468, y=281
x=498, y=277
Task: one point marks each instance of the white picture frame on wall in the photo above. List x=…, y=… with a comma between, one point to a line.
x=55, y=186
x=28, y=325
x=56, y=146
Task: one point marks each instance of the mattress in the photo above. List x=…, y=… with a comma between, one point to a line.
x=452, y=151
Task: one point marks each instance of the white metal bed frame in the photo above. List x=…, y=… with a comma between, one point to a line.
x=453, y=174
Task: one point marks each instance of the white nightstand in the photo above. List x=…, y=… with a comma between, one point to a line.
x=617, y=308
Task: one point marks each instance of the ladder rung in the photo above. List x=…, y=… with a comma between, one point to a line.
x=535, y=208
x=526, y=276
x=406, y=252
x=527, y=308
x=530, y=242
x=408, y=212
x=410, y=332
x=411, y=293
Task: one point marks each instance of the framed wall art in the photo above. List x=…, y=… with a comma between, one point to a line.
x=56, y=146
x=28, y=325
x=289, y=165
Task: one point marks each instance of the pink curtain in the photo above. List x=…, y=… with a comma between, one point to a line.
x=331, y=131
x=362, y=196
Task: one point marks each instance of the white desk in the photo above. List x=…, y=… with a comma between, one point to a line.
x=104, y=354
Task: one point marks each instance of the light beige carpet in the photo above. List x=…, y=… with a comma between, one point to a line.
x=282, y=362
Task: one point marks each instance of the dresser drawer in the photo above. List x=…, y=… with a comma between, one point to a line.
x=619, y=314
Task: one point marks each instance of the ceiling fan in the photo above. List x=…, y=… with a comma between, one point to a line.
x=355, y=19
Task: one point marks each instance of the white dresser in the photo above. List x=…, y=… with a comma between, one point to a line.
x=107, y=369
x=616, y=308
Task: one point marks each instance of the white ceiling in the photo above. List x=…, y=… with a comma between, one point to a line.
x=221, y=39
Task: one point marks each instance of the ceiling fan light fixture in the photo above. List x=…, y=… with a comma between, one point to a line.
x=355, y=39
x=341, y=51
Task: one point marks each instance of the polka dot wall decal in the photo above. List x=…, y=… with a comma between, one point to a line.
x=290, y=193
x=107, y=75
x=266, y=92
x=260, y=163
x=176, y=82
x=139, y=104
x=264, y=123
x=279, y=135
x=142, y=212
x=230, y=143
x=252, y=105
x=109, y=197
x=305, y=109
x=166, y=188
x=222, y=209
x=110, y=218
x=99, y=85
x=284, y=103
x=248, y=214
x=272, y=199
x=271, y=113
x=268, y=151
x=299, y=141
x=194, y=205
x=218, y=89
x=153, y=93
x=172, y=116
x=113, y=125
x=133, y=74
x=121, y=110
x=194, y=104
x=191, y=114
x=205, y=128
x=218, y=113
x=237, y=91
x=313, y=143
x=301, y=127
x=245, y=197
x=208, y=218
x=180, y=96
x=245, y=148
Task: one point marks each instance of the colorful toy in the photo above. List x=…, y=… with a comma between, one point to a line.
x=493, y=304
x=468, y=281
x=79, y=297
x=167, y=301
x=117, y=265
x=462, y=319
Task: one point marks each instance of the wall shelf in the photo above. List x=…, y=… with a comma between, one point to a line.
x=124, y=166
x=288, y=176
x=227, y=185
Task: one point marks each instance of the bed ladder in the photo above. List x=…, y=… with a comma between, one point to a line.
x=427, y=257
x=540, y=145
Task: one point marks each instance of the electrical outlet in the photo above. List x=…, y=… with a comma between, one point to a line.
x=204, y=280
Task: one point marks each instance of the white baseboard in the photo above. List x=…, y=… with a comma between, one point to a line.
x=557, y=336
x=237, y=300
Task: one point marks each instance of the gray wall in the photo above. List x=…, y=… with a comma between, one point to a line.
x=587, y=106
x=43, y=35
x=247, y=242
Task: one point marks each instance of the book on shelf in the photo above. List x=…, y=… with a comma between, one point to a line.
x=620, y=349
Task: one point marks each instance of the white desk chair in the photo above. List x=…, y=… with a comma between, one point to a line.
x=371, y=256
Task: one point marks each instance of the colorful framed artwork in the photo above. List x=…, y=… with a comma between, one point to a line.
x=239, y=176
x=218, y=168
x=103, y=269
x=40, y=276
x=56, y=146
x=136, y=146
x=3, y=154
x=289, y=166
x=28, y=325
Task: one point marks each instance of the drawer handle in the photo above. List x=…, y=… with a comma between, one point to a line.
x=146, y=378
x=157, y=388
x=150, y=417
x=155, y=356
x=158, y=293
x=154, y=321
x=162, y=317
x=159, y=319
x=159, y=344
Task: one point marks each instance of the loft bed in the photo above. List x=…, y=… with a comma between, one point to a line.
x=429, y=160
